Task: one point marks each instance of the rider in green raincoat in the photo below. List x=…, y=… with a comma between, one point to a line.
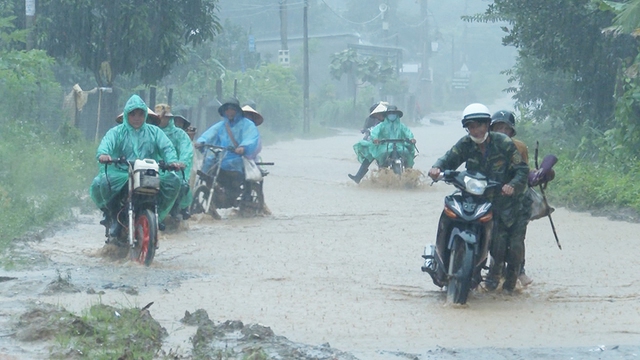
x=133, y=139
x=175, y=127
x=390, y=128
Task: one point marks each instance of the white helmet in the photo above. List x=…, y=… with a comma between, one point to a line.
x=475, y=112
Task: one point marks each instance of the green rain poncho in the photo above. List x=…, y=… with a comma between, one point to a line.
x=184, y=147
x=391, y=130
x=147, y=142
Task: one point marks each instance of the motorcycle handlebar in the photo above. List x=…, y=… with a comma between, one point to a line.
x=382, y=141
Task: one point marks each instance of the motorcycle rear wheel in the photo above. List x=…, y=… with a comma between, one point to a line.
x=145, y=238
x=461, y=263
x=254, y=203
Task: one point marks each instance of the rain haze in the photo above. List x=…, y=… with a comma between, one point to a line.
x=305, y=262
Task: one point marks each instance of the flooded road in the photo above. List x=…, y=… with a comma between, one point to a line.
x=339, y=263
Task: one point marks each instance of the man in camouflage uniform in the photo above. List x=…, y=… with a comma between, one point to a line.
x=504, y=122
x=495, y=156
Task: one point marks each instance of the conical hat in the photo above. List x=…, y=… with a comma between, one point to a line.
x=380, y=109
x=252, y=115
x=179, y=120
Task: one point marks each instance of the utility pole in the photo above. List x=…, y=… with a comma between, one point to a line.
x=306, y=127
x=30, y=12
x=283, y=25
x=426, y=78
x=283, y=54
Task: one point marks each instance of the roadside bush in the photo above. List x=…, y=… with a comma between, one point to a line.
x=29, y=89
x=275, y=91
x=584, y=180
x=42, y=176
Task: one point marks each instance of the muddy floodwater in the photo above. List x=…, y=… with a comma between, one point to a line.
x=339, y=263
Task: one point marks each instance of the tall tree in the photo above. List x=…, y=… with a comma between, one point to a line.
x=112, y=38
x=563, y=39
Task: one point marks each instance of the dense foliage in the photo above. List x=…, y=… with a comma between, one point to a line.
x=43, y=172
x=566, y=66
x=576, y=82
x=112, y=38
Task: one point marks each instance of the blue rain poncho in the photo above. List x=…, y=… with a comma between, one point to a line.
x=147, y=142
x=392, y=130
x=244, y=132
x=183, y=145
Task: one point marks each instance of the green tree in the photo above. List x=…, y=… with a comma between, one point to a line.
x=112, y=38
x=361, y=70
x=562, y=41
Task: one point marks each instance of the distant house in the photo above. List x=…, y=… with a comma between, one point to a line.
x=321, y=47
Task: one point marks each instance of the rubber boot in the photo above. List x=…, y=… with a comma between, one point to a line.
x=364, y=168
x=510, y=279
x=492, y=279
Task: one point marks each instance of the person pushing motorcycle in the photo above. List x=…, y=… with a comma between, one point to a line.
x=504, y=122
x=133, y=139
x=496, y=156
x=235, y=131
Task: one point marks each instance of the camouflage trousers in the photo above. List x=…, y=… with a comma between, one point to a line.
x=507, y=246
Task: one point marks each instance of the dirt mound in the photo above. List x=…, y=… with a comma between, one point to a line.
x=235, y=340
x=103, y=332
x=61, y=285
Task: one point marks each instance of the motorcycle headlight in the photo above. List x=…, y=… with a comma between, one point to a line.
x=475, y=186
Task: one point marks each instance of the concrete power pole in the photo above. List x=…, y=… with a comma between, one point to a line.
x=283, y=54
x=30, y=12
x=283, y=25
x=306, y=127
x=426, y=78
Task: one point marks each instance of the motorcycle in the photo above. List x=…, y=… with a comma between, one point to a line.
x=464, y=235
x=394, y=160
x=139, y=229
x=213, y=191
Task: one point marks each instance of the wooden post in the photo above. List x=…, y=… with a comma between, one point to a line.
x=306, y=126
x=152, y=97
x=219, y=90
x=98, y=120
x=235, y=88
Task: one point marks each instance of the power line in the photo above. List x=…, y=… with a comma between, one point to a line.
x=352, y=22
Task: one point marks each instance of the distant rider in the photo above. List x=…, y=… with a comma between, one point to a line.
x=372, y=120
x=175, y=127
x=389, y=128
x=363, y=147
x=494, y=155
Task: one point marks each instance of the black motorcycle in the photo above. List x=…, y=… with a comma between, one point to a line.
x=219, y=189
x=394, y=159
x=464, y=235
x=138, y=209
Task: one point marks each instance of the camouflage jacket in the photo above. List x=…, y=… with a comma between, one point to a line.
x=500, y=162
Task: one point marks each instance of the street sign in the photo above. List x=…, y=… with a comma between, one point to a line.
x=30, y=7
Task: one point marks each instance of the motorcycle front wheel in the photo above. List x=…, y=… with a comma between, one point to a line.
x=461, y=269
x=397, y=168
x=146, y=237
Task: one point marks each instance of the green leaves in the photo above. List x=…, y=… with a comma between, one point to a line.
x=146, y=38
x=365, y=70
